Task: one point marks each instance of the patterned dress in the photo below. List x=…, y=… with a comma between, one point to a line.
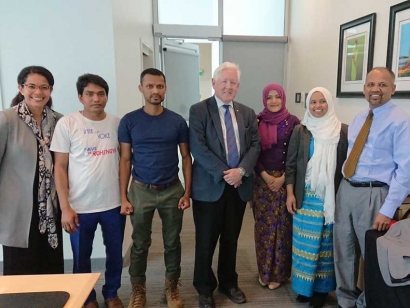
x=312, y=253
x=273, y=223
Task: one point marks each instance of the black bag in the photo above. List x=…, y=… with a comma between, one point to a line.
x=378, y=293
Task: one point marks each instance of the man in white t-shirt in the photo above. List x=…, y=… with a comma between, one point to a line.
x=86, y=151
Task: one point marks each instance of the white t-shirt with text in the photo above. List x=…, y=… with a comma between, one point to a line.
x=93, y=161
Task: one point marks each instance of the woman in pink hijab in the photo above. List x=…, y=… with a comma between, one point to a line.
x=273, y=223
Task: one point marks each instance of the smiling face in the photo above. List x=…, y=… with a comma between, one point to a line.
x=318, y=105
x=36, y=91
x=379, y=87
x=274, y=101
x=94, y=99
x=227, y=85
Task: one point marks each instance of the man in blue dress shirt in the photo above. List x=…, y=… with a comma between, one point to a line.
x=379, y=184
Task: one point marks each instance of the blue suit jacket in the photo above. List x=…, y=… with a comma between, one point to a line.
x=208, y=149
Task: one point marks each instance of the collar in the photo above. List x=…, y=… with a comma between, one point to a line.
x=379, y=110
x=221, y=103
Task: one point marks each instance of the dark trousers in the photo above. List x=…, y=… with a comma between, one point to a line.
x=39, y=257
x=112, y=226
x=221, y=219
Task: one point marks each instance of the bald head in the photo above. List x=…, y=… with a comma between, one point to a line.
x=385, y=69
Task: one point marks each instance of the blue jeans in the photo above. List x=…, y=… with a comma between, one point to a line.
x=112, y=226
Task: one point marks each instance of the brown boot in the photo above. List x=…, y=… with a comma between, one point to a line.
x=93, y=304
x=138, y=296
x=172, y=293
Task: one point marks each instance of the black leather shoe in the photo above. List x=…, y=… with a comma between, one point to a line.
x=206, y=301
x=318, y=300
x=302, y=299
x=234, y=294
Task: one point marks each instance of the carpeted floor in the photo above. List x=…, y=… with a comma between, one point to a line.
x=246, y=268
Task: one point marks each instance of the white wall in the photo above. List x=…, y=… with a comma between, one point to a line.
x=314, y=45
x=132, y=20
x=71, y=38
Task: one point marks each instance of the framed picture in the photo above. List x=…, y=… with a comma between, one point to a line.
x=356, y=47
x=398, y=47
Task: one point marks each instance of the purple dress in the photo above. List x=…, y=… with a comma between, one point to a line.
x=273, y=223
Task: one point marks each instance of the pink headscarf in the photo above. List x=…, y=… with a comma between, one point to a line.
x=268, y=121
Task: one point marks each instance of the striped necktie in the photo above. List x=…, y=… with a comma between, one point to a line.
x=233, y=156
x=352, y=160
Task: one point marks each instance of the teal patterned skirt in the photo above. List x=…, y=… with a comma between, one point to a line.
x=312, y=248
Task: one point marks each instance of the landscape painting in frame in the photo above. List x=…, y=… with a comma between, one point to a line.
x=403, y=67
x=398, y=48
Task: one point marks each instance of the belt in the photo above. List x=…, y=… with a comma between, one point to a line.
x=366, y=184
x=157, y=187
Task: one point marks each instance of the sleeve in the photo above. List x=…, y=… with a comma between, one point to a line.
x=124, y=135
x=61, y=138
x=400, y=183
x=4, y=131
x=259, y=167
x=291, y=159
x=183, y=136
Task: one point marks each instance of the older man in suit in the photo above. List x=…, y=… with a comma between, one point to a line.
x=225, y=145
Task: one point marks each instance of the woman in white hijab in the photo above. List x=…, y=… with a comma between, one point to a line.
x=317, y=150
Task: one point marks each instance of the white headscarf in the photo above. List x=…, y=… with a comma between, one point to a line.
x=320, y=173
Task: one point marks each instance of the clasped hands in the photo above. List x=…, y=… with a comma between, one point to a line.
x=233, y=177
x=274, y=183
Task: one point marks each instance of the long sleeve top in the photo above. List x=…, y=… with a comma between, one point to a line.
x=385, y=155
x=275, y=157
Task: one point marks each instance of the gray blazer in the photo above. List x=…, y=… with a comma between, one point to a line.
x=298, y=157
x=18, y=162
x=208, y=149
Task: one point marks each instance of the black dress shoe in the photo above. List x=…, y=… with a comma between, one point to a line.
x=206, y=301
x=234, y=294
x=302, y=299
x=318, y=300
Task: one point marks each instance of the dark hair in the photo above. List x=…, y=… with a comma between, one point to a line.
x=22, y=78
x=152, y=71
x=86, y=79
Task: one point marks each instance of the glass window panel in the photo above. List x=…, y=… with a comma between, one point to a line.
x=188, y=12
x=244, y=17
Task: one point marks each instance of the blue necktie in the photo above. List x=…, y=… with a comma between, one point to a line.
x=233, y=157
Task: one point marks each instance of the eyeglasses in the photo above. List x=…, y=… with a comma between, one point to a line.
x=32, y=87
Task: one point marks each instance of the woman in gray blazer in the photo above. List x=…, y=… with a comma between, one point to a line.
x=30, y=225
x=317, y=150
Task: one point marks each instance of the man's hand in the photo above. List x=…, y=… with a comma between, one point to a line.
x=184, y=203
x=237, y=184
x=232, y=176
x=69, y=220
x=381, y=222
x=126, y=208
x=291, y=204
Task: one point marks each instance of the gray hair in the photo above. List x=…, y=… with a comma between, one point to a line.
x=227, y=65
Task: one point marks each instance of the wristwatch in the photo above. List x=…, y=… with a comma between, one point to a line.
x=242, y=171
